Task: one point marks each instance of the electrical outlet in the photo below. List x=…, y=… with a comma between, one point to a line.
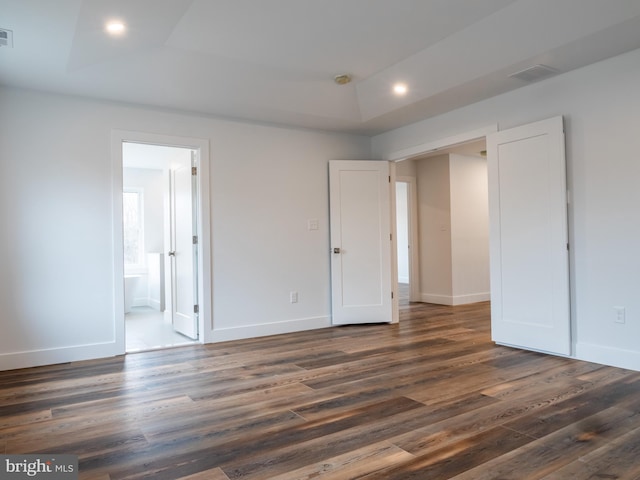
x=620, y=314
x=293, y=297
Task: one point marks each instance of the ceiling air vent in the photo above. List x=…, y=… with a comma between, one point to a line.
x=535, y=73
x=6, y=38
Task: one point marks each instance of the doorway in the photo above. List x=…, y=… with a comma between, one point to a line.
x=161, y=241
x=160, y=259
x=527, y=196
x=447, y=249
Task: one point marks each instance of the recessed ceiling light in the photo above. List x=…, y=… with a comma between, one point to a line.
x=400, y=89
x=115, y=28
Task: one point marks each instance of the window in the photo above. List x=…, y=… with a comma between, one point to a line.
x=133, y=226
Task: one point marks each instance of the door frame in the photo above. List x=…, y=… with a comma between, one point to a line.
x=418, y=151
x=205, y=279
x=469, y=136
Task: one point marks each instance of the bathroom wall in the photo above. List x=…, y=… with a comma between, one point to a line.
x=151, y=182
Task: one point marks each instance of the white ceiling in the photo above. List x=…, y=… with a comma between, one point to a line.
x=274, y=60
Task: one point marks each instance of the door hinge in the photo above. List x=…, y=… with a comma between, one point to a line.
x=196, y=309
x=194, y=170
x=567, y=246
x=195, y=239
x=391, y=237
x=392, y=295
x=389, y=178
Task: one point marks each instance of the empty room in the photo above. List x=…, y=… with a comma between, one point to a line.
x=300, y=239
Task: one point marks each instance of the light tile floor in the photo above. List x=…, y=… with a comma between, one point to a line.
x=146, y=329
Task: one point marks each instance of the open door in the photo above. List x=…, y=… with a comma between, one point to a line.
x=360, y=241
x=529, y=237
x=183, y=247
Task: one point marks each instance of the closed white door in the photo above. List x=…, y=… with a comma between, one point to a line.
x=183, y=249
x=529, y=238
x=360, y=242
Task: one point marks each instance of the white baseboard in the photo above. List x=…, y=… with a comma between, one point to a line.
x=614, y=357
x=455, y=300
x=155, y=304
x=471, y=298
x=437, y=299
x=275, y=328
x=36, y=358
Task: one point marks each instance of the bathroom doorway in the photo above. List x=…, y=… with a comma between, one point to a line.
x=160, y=251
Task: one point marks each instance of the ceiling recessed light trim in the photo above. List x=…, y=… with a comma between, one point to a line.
x=400, y=89
x=115, y=27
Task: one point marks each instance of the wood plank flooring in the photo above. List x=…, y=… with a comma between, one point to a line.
x=430, y=398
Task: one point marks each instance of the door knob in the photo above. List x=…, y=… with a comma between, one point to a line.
x=336, y=250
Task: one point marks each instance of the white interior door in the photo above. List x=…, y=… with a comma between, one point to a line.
x=528, y=239
x=183, y=249
x=360, y=242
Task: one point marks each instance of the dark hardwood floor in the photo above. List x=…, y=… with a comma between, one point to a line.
x=430, y=398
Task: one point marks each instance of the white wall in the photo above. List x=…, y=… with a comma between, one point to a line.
x=600, y=104
x=56, y=240
x=454, y=229
x=434, y=226
x=469, y=229
x=406, y=169
x=402, y=231
x=56, y=245
x=151, y=183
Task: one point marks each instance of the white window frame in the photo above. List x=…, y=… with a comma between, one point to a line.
x=141, y=266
